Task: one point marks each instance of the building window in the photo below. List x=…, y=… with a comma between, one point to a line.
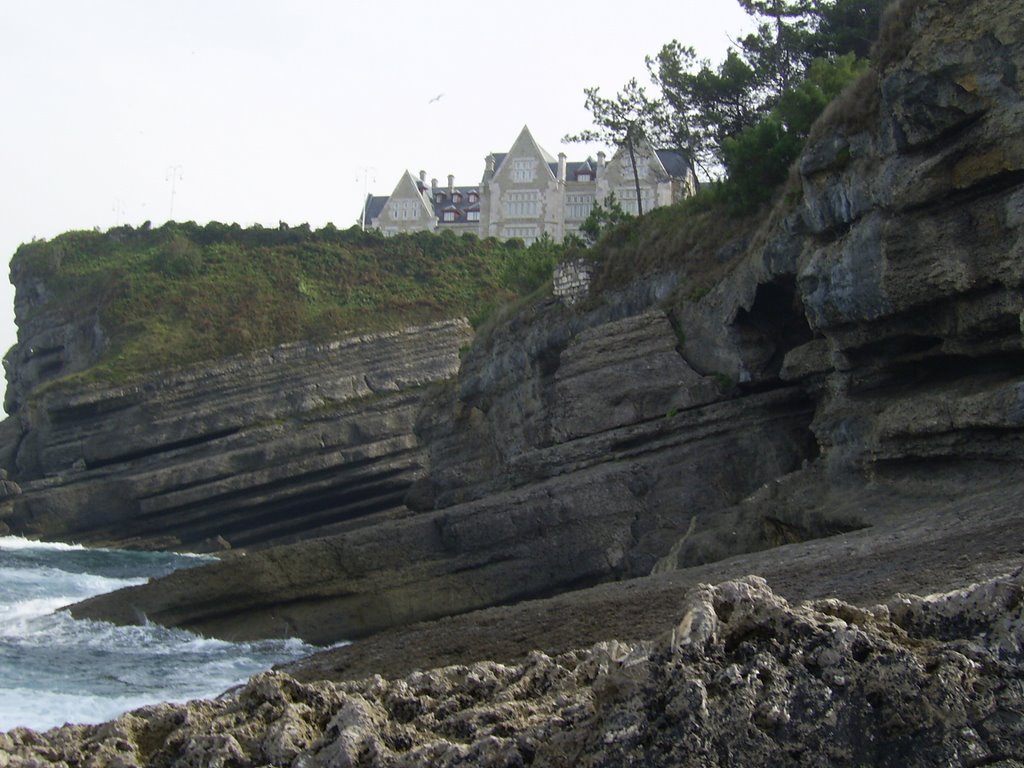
x=524, y=169
x=584, y=176
x=627, y=198
x=522, y=205
x=404, y=209
x=439, y=197
x=578, y=206
x=642, y=164
x=448, y=216
x=474, y=197
x=457, y=197
x=527, y=234
x=472, y=215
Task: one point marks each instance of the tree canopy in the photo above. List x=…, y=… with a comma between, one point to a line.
x=746, y=117
x=624, y=121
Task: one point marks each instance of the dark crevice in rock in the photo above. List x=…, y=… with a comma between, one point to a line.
x=493, y=560
x=95, y=408
x=955, y=198
x=144, y=453
x=252, y=503
x=917, y=372
x=779, y=532
x=929, y=116
x=893, y=347
x=261, y=522
x=312, y=514
x=349, y=467
x=775, y=324
x=939, y=450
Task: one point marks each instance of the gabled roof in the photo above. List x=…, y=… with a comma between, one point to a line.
x=675, y=162
x=525, y=141
x=447, y=204
x=374, y=206
x=575, y=168
x=669, y=162
x=408, y=187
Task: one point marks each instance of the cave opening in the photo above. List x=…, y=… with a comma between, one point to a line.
x=775, y=324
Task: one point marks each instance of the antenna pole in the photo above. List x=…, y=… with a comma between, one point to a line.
x=365, y=173
x=174, y=175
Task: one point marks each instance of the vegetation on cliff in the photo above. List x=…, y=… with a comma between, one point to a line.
x=183, y=293
x=745, y=119
x=810, y=68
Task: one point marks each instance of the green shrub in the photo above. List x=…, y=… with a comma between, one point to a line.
x=531, y=267
x=759, y=157
x=183, y=293
x=178, y=257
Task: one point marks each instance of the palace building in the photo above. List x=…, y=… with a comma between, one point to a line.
x=526, y=193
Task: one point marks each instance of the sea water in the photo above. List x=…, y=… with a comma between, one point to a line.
x=55, y=669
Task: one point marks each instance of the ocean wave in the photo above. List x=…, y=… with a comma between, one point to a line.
x=14, y=543
x=56, y=669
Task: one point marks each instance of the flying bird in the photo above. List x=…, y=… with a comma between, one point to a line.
x=436, y=98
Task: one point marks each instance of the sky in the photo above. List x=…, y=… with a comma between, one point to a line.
x=250, y=111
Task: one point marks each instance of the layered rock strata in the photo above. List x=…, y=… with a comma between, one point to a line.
x=894, y=290
x=743, y=678
x=298, y=441
x=634, y=447
x=870, y=333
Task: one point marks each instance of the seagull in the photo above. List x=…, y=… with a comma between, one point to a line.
x=436, y=98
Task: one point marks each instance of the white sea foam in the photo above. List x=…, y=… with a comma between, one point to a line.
x=42, y=710
x=56, y=669
x=17, y=542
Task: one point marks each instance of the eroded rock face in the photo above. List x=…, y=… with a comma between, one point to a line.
x=873, y=332
x=743, y=679
x=297, y=441
x=634, y=447
x=896, y=285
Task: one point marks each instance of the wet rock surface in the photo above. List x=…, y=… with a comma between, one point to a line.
x=740, y=677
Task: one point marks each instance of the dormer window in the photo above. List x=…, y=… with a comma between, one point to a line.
x=457, y=197
x=449, y=215
x=584, y=176
x=439, y=197
x=473, y=215
x=474, y=197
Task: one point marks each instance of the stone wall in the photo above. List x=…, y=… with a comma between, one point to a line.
x=572, y=280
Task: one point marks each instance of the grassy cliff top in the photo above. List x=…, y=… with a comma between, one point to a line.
x=185, y=293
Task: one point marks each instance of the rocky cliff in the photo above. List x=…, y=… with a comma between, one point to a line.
x=841, y=413
x=868, y=336
x=300, y=441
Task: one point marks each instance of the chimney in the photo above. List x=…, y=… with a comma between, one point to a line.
x=433, y=186
x=451, y=184
x=561, y=166
x=423, y=178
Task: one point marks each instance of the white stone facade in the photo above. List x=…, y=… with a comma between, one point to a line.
x=525, y=193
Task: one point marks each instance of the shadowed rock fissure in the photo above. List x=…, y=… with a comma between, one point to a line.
x=247, y=520
x=144, y=453
x=775, y=323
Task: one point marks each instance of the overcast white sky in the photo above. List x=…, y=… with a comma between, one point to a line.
x=257, y=111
